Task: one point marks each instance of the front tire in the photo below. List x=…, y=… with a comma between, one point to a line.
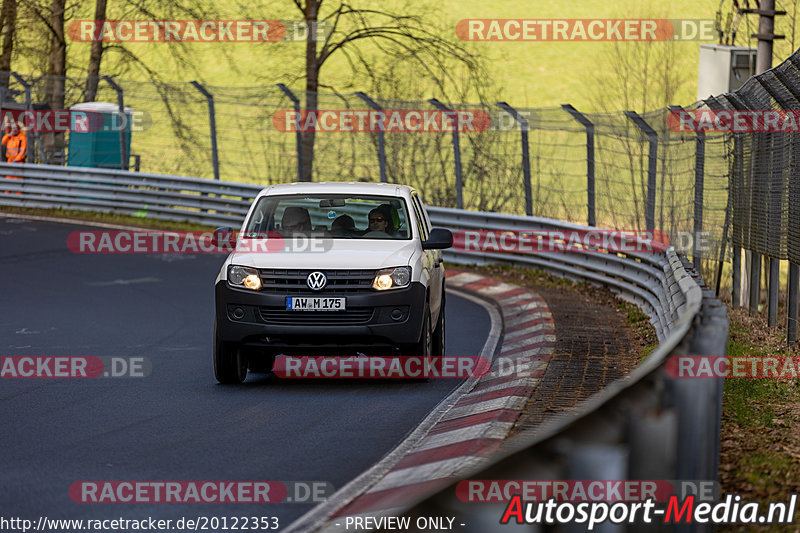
x=424, y=346
x=438, y=333
x=230, y=364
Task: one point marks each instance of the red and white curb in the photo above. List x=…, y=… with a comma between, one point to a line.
x=465, y=428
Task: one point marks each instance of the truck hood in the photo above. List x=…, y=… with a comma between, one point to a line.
x=340, y=254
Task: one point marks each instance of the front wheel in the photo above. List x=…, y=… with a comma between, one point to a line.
x=438, y=333
x=424, y=346
x=230, y=364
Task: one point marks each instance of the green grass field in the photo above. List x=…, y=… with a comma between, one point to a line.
x=525, y=74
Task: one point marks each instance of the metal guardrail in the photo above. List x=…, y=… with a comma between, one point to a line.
x=166, y=197
x=638, y=277
x=646, y=426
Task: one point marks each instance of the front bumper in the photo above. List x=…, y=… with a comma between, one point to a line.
x=260, y=319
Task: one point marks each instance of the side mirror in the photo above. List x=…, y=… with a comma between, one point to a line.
x=439, y=239
x=223, y=236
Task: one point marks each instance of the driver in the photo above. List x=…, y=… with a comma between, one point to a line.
x=380, y=220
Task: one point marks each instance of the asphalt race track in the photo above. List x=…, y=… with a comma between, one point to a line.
x=177, y=424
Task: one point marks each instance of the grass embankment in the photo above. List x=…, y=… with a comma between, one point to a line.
x=93, y=217
x=760, y=455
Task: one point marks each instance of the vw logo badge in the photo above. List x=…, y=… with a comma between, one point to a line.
x=316, y=281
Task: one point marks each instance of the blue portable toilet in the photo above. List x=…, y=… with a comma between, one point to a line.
x=94, y=142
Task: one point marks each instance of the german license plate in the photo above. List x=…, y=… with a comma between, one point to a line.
x=314, y=303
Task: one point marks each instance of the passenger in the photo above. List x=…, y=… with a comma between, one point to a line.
x=295, y=220
x=343, y=226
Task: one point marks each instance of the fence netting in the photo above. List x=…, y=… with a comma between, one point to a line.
x=645, y=173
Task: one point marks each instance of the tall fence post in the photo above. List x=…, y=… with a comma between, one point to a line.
x=123, y=151
x=381, y=135
x=752, y=271
x=590, y=197
x=299, y=136
x=793, y=283
x=212, y=124
x=739, y=284
x=652, y=162
x=699, y=167
x=775, y=202
x=29, y=107
x=456, y=154
x=526, y=160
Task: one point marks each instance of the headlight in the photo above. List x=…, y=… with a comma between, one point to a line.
x=392, y=278
x=244, y=277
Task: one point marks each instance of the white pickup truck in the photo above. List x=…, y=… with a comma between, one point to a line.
x=329, y=265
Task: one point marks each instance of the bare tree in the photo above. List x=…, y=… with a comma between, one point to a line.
x=54, y=47
x=391, y=33
x=95, y=56
x=58, y=55
x=8, y=20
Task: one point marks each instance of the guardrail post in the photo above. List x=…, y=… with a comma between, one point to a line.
x=123, y=152
x=526, y=160
x=29, y=107
x=213, y=125
x=699, y=401
x=381, y=135
x=652, y=162
x=456, y=154
x=792, y=302
x=296, y=102
x=590, y=197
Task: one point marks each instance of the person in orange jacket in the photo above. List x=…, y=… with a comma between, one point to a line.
x=15, y=142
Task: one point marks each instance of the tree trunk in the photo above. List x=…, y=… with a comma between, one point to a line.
x=58, y=56
x=312, y=82
x=95, y=56
x=9, y=17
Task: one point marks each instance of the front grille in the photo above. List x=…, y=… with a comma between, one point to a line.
x=285, y=281
x=278, y=315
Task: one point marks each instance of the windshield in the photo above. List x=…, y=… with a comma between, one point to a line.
x=341, y=216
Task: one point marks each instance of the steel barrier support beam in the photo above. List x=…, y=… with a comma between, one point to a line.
x=456, y=155
x=212, y=124
x=526, y=160
x=755, y=281
x=381, y=135
x=299, y=136
x=772, y=293
x=590, y=183
x=792, y=302
x=652, y=162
